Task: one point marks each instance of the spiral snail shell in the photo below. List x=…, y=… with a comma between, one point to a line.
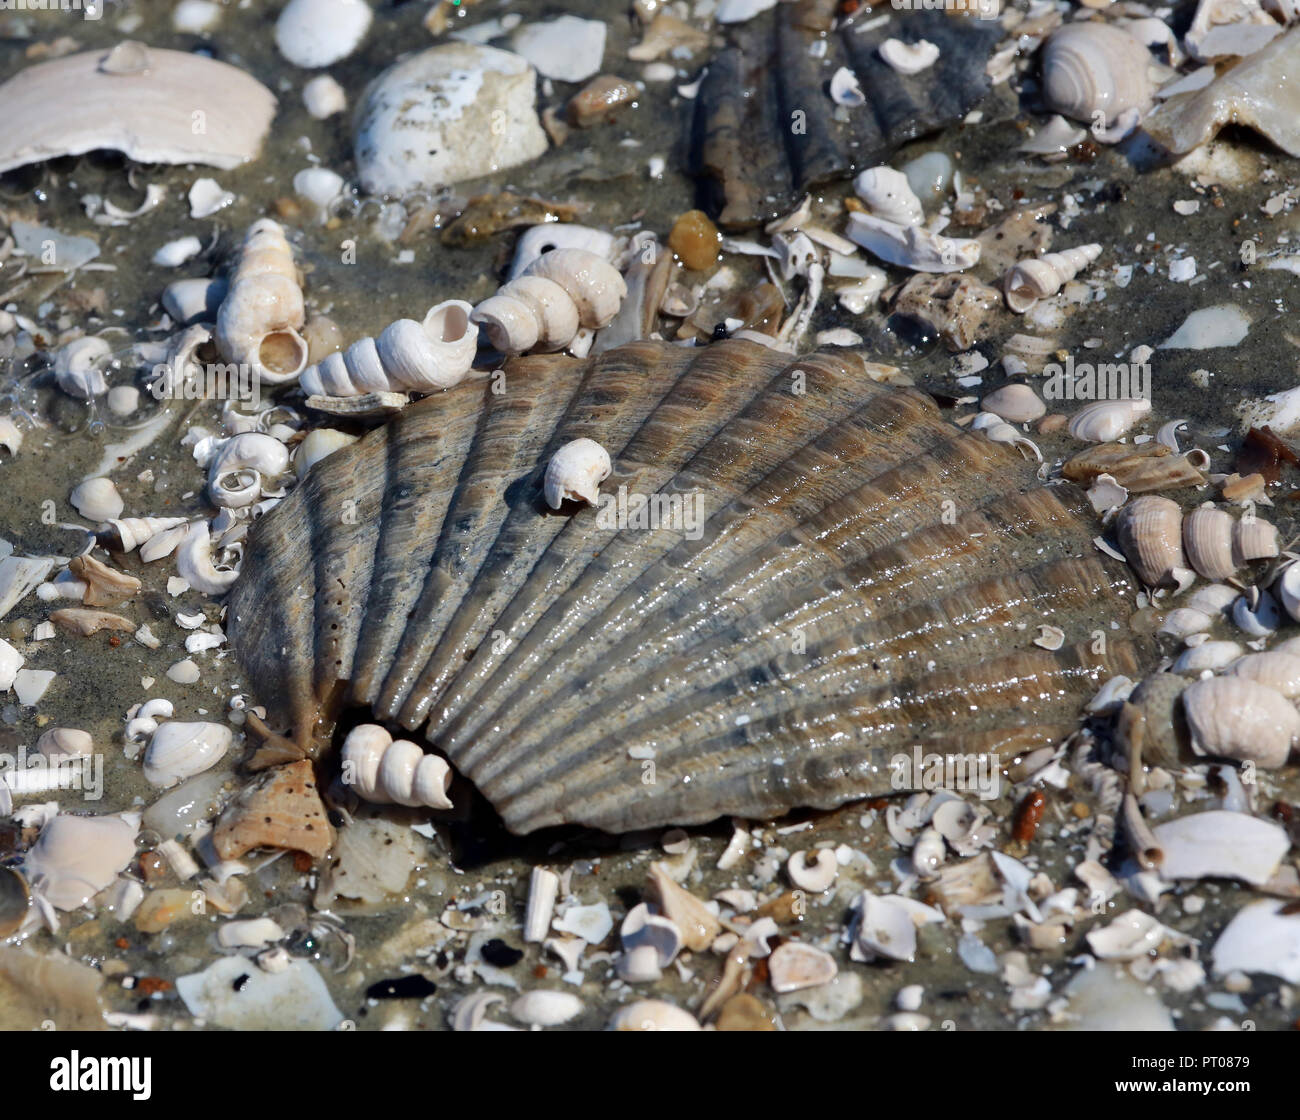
x=1029, y=281
x=561, y=291
x=1092, y=68
x=128, y=533
x=383, y=770
x=407, y=357
x=259, y=320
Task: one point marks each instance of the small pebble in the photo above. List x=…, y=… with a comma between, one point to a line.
x=695, y=240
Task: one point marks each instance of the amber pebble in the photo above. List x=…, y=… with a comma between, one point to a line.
x=160, y=908
x=153, y=867
x=744, y=1013
x=599, y=100
x=694, y=238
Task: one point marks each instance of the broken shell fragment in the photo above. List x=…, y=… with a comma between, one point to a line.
x=575, y=473
x=889, y=195
x=1253, y=538
x=75, y=858
x=689, y=914
x=1241, y=719
x=316, y=33
x=912, y=246
x=77, y=367
x=85, y=101
x=909, y=58
x=813, y=871
x=541, y=1008
x=1150, y=534
x=794, y=966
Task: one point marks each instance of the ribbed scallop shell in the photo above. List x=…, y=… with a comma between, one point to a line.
x=867, y=577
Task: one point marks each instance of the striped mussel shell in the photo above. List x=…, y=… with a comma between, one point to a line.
x=858, y=583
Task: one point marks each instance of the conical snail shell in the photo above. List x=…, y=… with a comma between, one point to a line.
x=552, y=655
x=1029, y=281
x=1091, y=68
x=383, y=771
x=259, y=320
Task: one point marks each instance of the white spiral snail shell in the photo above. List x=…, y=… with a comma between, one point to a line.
x=1091, y=68
x=1029, y=281
x=259, y=320
x=561, y=291
x=407, y=357
x=383, y=770
x=128, y=533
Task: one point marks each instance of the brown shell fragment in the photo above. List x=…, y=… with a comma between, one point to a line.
x=766, y=130
x=1139, y=469
x=281, y=809
x=83, y=622
x=835, y=575
x=953, y=305
x=104, y=585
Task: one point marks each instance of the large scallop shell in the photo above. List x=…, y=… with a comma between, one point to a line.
x=864, y=578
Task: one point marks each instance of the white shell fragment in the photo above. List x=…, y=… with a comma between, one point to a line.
x=76, y=857
x=889, y=195
x=81, y=102
x=546, y=1008
x=1224, y=324
x=912, y=246
x=1221, y=845
x=575, y=473
x=453, y=112
x=179, y=750
x=323, y=97
x=567, y=49
x=794, y=965
x=1018, y=404
x=1261, y=938
x=316, y=33
x=78, y=367
x=653, y=1015
x=233, y=993
x=909, y=58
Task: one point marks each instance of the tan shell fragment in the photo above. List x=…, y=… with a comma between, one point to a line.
x=1261, y=92
x=282, y=809
x=83, y=622
x=1239, y=718
x=687, y=912
x=1253, y=538
x=168, y=107
x=104, y=585
x=1150, y=533
x=1207, y=540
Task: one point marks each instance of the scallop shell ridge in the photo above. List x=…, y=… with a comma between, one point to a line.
x=815, y=583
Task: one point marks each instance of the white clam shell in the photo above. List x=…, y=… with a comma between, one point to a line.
x=575, y=473
x=1241, y=719
x=1207, y=541
x=65, y=742
x=1105, y=421
x=75, y=857
x=179, y=750
x=1275, y=668
x=653, y=1015
x=1208, y=655
x=1016, y=403
x=1150, y=534
x=97, y=500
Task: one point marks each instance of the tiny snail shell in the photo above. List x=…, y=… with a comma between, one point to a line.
x=77, y=367
x=259, y=320
x=813, y=871
x=889, y=195
x=928, y=853
x=1150, y=534
x=1016, y=403
x=1029, y=281
x=1277, y=670
x=1207, y=540
x=653, y=1015
x=575, y=473
x=129, y=533
x=407, y=356
x=383, y=770
x=1239, y=718
x=1105, y=421
x=242, y=464
x=1091, y=68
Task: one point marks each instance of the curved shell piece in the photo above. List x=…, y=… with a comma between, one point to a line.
x=1239, y=718
x=1104, y=421
x=594, y=285
x=1029, y=281
x=259, y=320
x=148, y=112
x=1016, y=403
x=550, y=658
x=909, y=58
x=77, y=367
x=179, y=750
x=1207, y=540
x=889, y=195
x=386, y=771
x=912, y=247
x=1091, y=68
x=1253, y=538
x=407, y=357
x=1150, y=534
x=653, y=1015
x=75, y=858
x=575, y=473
